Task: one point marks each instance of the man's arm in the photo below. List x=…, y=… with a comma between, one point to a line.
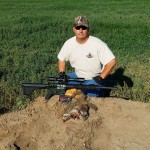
x=61, y=66
x=108, y=68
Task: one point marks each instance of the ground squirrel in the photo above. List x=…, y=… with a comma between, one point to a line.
x=79, y=106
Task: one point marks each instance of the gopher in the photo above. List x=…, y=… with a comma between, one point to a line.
x=79, y=106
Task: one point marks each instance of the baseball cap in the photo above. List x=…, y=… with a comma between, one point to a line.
x=81, y=21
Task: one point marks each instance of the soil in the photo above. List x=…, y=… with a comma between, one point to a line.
x=118, y=124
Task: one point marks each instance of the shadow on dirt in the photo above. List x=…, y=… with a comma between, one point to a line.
x=117, y=79
x=3, y=110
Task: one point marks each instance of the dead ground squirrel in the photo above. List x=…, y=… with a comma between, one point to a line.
x=79, y=106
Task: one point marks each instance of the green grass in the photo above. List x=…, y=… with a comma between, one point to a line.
x=33, y=31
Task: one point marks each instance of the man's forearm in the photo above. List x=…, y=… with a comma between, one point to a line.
x=61, y=66
x=108, y=68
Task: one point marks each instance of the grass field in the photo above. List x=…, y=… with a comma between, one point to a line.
x=33, y=31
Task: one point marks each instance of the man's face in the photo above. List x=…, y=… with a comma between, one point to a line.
x=81, y=32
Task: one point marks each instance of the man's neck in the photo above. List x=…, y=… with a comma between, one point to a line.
x=82, y=41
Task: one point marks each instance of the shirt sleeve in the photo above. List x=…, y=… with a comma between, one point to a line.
x=105, y=54
x=63, y=55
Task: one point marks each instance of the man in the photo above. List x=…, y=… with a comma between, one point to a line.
x=89, y=56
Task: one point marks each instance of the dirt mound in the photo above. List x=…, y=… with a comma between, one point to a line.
x=117, y=125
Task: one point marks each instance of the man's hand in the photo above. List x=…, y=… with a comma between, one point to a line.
x=98, y=79
x=62, y=75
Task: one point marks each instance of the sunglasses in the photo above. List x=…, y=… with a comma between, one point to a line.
x=81, y=27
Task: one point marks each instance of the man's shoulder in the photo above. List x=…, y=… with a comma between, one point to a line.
x=71, y=40
x=97, y=40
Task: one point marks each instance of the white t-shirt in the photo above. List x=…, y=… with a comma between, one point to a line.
x=88, y=59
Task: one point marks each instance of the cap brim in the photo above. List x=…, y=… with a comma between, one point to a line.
x=81, y=24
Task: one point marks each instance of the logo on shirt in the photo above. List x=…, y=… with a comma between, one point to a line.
x=89, y=55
